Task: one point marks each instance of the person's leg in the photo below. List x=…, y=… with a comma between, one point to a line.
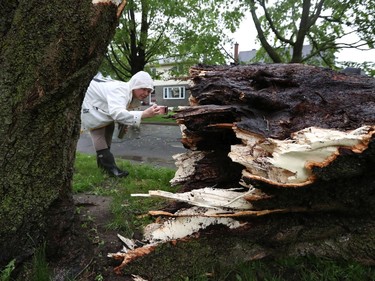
x=105, y=159
x=98, y=137
x=109, y=134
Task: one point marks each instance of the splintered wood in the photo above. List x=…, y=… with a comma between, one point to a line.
x=291, y=162
x=267, y=139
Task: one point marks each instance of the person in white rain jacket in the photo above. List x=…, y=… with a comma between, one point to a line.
x=109, y=101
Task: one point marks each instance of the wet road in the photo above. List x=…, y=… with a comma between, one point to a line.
x=150, y=144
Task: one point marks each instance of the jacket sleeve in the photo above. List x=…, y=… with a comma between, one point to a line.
x=118, y=100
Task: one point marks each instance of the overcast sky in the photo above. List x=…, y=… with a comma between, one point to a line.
x=246, y=34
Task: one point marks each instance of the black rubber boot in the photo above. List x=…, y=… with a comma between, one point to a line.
x=106, y=162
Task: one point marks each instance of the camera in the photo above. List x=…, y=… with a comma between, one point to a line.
x=164, y=109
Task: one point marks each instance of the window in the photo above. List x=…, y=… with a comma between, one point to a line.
x=173, y=93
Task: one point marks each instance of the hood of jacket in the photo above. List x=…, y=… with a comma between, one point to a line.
x=141, y=80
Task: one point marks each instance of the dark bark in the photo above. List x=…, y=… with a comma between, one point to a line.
x=276, y=101
x=281, y=98
x=48, y=54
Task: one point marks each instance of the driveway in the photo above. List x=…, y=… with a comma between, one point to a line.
x=153, y=144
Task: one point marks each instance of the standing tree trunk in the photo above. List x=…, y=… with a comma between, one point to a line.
x=49, y=52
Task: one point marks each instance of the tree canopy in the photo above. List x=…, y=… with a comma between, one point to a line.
x=187, y=32
x=285, y=26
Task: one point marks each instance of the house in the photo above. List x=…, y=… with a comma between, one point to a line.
x=168, y=91
x=246, y=56
x=171, y=93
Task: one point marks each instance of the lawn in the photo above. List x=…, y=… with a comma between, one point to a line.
x=167, y=118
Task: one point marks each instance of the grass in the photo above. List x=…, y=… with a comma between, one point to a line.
x=292, y=268
x=6, y=272
x=319, y=269
x=41, y=271
x=37, y=270
x=168, y=118
x=130, y=214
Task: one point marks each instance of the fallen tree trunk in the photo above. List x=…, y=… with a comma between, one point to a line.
x=294, y=126
x=282, y=155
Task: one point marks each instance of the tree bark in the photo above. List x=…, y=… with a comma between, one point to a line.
x=49, y=52
x=259, y=109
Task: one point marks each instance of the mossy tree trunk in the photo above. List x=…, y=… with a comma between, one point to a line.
x=49, y=51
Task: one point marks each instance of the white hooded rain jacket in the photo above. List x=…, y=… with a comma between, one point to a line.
x=108, y=101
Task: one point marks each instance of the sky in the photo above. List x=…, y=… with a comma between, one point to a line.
x=246, y=34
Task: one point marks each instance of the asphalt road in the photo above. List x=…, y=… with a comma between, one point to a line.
x=153, y=144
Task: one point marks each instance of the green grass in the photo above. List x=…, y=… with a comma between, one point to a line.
x=292, y=269
x=130, y=213
x=41, y=271
x=6, y=272
x=161, y=118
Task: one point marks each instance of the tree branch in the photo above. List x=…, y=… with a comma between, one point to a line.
x=272, y=26
x=302, y=31
x=121, y=8
x=315, y=15
x=117, y=70
x=269, y=49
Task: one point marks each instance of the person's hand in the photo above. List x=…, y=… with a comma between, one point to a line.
x=152, y=111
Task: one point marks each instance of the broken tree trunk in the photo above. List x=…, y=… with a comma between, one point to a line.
x=288, y=126
x=281, y=154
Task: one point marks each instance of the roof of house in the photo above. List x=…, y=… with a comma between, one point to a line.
x=170, y=83
x=245, y=56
